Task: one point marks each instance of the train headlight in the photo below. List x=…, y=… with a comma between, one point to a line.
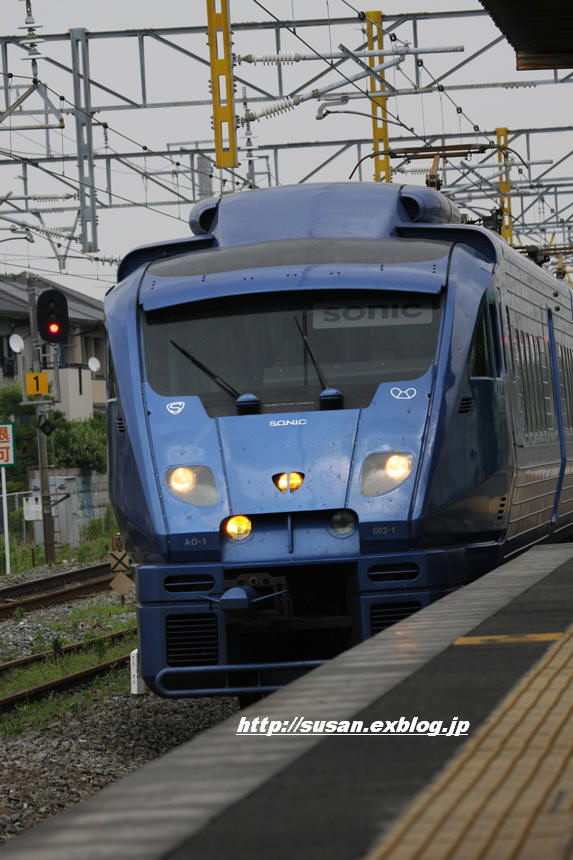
x=238, y=528
x=181, y=480
x=193, y=484
x=343, y=522
x=383, y=472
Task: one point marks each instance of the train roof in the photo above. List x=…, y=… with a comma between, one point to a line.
x=300, y=252
x=359, y=210
x=340, y=211
x=296, y=264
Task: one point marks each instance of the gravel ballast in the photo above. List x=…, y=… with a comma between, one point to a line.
x=42, y=773
x=46, y=770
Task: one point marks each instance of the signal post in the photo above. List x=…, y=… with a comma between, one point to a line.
x=49, y=322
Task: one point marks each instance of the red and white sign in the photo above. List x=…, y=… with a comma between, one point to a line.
x=7, y=457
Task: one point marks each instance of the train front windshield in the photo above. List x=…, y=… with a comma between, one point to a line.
x=285, y=348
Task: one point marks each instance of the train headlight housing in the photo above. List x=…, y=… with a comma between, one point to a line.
x=193, y=484
x=288, y=482
x=238, y=527
x=384, y=472
x=342, y=522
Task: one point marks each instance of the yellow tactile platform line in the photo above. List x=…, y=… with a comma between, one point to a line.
x=507, y=638
x=509, y=791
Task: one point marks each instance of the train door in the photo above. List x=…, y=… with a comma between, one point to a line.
x=564, y=371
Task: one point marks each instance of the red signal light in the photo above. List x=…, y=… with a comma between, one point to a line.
x=52, y=316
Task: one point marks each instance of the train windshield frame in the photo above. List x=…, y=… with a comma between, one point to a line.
x=285, y=348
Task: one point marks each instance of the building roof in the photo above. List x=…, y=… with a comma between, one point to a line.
x=14, y=299
x=540, y=31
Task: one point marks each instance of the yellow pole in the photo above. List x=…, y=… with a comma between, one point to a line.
x=222, y=89
x=504, y=186
x=377, y=102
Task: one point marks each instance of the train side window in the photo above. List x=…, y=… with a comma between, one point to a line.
x=111, y=382
x=534, y=384
x=480, y=361
x=537, y=349
x=525, y=381
x=548, y=403
x=494, y=331
x=565, y=368
x=568, y=379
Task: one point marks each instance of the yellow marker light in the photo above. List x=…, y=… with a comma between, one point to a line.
x=295, y=480
x=238, y=527
x=182, y=480
x=281, y=482
x=288, y=482
x=398, y=466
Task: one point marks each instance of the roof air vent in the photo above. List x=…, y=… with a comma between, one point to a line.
x=428, y=205
x=203, y=216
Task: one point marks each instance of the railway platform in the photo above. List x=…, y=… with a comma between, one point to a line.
x=452, y=738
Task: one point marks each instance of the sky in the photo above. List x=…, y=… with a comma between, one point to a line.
x=171, y=75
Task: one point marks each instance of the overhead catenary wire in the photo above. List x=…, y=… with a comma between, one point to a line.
x=149, y=150
x=409, y=129
x=285, y=104
x=76, y=184
x=146, y=174
x=440, y=87
x=60, y=274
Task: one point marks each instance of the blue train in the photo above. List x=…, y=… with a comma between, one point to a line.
x=329, y=406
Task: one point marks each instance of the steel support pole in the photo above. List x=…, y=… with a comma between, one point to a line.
x=378, y=102
x=222, y=87
x=84, y=138
x=504, y=186
x=47, y=518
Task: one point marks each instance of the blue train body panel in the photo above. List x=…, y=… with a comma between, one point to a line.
x=331, y=405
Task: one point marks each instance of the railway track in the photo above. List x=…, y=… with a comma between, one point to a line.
x=64, y=682
x=52, y=589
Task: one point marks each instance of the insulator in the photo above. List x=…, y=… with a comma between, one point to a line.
x=53, y=210
x=411, y=171
x=52, y=232
x=282, y=57
x=281, y=106
x=111, y=260
x=53, y=197
x=271, y=59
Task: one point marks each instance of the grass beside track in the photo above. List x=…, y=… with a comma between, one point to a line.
x=91, y=621
x=35, y=716
x=80, y=622
x=23, y=677
x=97, y=618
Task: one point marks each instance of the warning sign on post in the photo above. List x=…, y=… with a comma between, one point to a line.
x=119, y=561
x=7, y=445
x=32, y=506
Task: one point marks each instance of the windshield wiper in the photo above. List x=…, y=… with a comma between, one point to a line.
x=329, y=398
x=316, y=365
x=216, y=379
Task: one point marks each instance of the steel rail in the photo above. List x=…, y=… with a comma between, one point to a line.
x=71, y=647
x=66, y=682
x=53, y=589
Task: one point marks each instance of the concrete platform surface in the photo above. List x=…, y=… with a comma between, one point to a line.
x=496, y=654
